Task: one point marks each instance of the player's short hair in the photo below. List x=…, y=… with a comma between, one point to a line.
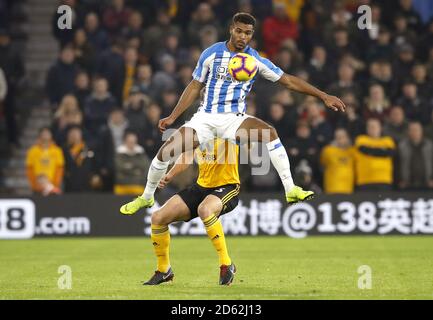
x=244, y=17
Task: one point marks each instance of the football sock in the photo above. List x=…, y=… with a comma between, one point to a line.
x=281, y=162
x=161, y=244
x=215, y=232
x=156, y=172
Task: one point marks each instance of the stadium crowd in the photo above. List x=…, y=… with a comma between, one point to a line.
x=124, y=65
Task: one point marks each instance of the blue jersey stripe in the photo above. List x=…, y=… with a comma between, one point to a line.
x=213, y=82
x=250, y=84
x=236, y=96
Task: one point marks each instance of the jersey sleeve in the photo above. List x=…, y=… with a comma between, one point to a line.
x=201, y=70
x=268, y=70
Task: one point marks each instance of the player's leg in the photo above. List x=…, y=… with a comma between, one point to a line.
x=256, y=130
x=184, y=139
x=173, y=210
x=209, y=210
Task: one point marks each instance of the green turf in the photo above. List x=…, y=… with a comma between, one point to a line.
x=268, y=268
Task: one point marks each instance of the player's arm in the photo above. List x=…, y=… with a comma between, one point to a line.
x=181, y=164
x=189, y=95
x=299, y=85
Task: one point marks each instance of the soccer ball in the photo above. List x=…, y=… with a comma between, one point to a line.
x=242, y=67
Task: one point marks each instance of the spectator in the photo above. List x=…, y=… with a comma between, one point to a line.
x=117, y=125
x=61, y=76
x=116, y=16
x=278, y=119
x=134, y=29
x=45, y=164
x=67, y=113
x=402, y=34
x=131, y=163
x=154, y=34
x=111, y=66
x=82, y=88
x=208, y=36
x=423, y=84
x=304, y=177
x=84, y=51
x=152, y=137
x=111, y=137
x=345, y=82
x=98, y=106
x=169, y=99
x=183, y=77
x=415, y=107
x=144, y=83
x=404, y=61
x=277, y=28
x=135, y=114
x=381, y=73
x=376, y=104
x=303, y=146
x=382, y=49
x=412, y=17
x=341, y=44
x=131, y=57
x=354, y=124
x=202, y=17
x=416, y=159
x=165, y=79
x=373, y=159
x=284, y=59
x=395, y=124
x=172, y=48
x=318, y=68
x=79, y=164
x=321, y=130
x=96, y=35
x=338, y=162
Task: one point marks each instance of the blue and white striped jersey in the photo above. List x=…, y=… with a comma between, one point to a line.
x=222, y=92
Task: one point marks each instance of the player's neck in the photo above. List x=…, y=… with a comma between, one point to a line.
x=231, y=47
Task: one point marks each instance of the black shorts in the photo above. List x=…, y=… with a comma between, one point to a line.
x=195, y=194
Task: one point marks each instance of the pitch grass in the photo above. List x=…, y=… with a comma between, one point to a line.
x=268, y=268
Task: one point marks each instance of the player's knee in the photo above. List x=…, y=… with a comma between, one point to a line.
x=158, y=218
x=203, y=211
x=268, y=133
x=273, y=133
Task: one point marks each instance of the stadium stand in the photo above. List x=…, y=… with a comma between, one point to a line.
x=125, y=63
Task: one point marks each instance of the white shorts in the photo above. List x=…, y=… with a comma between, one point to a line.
x=211, y=125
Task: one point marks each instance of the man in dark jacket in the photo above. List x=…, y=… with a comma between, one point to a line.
x=111, y=66
x=98, y=106
x=79, y=164
x=61, y=76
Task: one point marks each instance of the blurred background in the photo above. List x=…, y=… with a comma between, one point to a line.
x=79, y=107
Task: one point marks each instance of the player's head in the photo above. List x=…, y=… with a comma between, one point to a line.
x=242, y=30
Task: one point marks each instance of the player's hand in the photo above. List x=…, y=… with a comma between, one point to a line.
x=334, y=103
x=164, y=123
x=164, y=181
